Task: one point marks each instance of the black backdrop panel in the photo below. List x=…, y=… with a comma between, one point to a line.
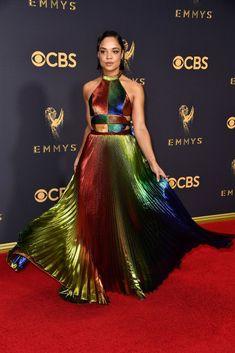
x=184, y=56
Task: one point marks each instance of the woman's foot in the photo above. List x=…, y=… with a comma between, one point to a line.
x=18, y=262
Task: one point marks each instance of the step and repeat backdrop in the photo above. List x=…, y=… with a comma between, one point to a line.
x=181, y=51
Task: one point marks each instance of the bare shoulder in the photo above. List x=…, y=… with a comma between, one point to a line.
x=89, y=87
x=134, y=88
x=132, y=84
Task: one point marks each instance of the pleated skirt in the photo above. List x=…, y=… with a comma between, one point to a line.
x=115, y=228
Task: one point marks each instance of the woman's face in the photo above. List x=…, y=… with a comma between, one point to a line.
x=110, y=54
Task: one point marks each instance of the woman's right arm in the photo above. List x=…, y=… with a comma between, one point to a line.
x=86, y=90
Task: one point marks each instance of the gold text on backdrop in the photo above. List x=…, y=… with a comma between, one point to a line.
x=55, y=148
x=194, y=14
x=54, y=4
x=54, y=59
x=42, y=195
x=190, y=62
x=229, y=192
x=140, y=80
x=185, y=182
x=185, y=141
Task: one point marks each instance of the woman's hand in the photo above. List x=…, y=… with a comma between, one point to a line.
x=76, y=163
x=157, y=170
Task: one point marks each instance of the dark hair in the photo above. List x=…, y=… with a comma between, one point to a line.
x=120, y=41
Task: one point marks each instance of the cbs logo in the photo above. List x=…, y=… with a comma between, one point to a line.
x=41, y=195
x=190, y=62
x=184, y=182
x=54, y=59
x=231, y=122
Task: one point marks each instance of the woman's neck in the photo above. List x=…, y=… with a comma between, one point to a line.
x=111, y=74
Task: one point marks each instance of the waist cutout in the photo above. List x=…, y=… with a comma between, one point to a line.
x=122, y=132
x=109, y=119
x=111, y=124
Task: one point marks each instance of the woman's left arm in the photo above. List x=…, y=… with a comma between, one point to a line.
x=141, y=132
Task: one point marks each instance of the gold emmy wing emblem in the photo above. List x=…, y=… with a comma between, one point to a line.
x=233, y=166
x=186, y=116
x=54, y=122
x=129, y=53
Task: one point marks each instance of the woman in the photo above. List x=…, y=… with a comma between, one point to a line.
x=118, y=226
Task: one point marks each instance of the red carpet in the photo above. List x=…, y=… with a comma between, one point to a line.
x=192, y=312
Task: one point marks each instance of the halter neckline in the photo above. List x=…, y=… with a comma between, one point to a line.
x=111, y=78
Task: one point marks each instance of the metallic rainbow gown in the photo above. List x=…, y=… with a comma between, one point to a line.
x=115, y=228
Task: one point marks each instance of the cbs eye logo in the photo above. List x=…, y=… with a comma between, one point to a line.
x=53, y=59
x=190, y=63
x=186, y=182
x=54, y=194
x=231, y=122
